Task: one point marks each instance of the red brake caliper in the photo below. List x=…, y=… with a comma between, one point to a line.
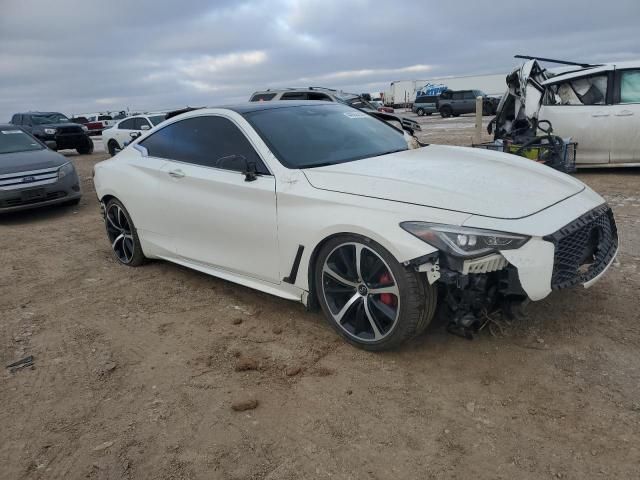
x=386, y=298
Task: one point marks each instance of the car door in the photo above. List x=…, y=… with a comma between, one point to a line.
x=457, y=102
x=578, y=108
x=626, y=117
x=217, y=217
x=123, y=131
x=469, y=102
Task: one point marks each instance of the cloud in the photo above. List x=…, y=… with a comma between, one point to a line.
x=78, y=56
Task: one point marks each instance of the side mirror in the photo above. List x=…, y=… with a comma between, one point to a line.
x=145, y=127
x=51, y=144
x=250, y=172
x=134, y=135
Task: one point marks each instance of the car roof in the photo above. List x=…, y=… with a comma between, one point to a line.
x=39, y=113
x=248, y=107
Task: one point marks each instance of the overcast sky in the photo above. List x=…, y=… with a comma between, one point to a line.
x=84, y=56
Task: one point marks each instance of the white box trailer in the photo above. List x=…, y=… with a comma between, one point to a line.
x=403, y=92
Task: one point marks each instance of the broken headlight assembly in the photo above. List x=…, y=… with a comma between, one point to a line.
x=464, y=242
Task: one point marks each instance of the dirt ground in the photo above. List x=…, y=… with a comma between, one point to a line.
x=136, y=370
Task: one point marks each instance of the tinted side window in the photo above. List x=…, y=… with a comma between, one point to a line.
x=445, y=95
x=128, y=124
x=294, y=96
x=469, y=96
x=630, y=86
x=590, y=90
x=140, y=122
x=16, y=119
x=318, y=96
x=208, y=141
x=457, y=96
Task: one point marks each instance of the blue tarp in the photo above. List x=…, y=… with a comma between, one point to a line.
x=431, y=89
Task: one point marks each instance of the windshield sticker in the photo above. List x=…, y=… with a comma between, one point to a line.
x=355, y=114
x=9, y=132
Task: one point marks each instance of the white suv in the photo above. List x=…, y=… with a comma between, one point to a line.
x=123, y=132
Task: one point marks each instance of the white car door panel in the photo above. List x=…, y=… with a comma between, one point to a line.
x=588, y=125
x=147, y=180
x=214, y=215
x=219, y=219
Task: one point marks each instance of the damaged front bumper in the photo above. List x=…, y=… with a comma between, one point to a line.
x=576, y=254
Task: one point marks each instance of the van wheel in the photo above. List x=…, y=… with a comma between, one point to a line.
x=420, y=112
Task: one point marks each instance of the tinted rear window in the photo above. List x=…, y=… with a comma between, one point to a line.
x=426, y=99
x=262, y=97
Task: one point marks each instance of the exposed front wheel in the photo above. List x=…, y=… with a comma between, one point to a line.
x=420, y=112
x=368, y=297
x=122, y=235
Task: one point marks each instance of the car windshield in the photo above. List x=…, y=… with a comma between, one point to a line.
x=156, y=119
x=12, y=141
x=307, y=136
x=49, y=118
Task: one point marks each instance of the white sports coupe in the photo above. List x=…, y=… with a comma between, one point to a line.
x=324, y=204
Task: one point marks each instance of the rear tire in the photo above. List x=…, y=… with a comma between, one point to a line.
x=375, y=303
x=122, y=235
x=445, y=112
x=429, y=114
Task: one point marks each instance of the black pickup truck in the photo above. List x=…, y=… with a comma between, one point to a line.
x=50, y=127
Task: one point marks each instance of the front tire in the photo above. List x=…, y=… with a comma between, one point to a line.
x=420, y=112
x=122, y=234
x=368, y=297
x=446, y=111
x=112, y=146
x=87, y=148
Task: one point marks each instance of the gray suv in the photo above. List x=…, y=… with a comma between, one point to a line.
x=457, y=102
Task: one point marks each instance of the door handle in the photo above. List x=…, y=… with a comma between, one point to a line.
x=176, y=173
x=599, y=114
x=624, y=113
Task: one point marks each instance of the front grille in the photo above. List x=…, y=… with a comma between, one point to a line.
x=583, y=248
x=18, y=202
x=10, y=181
x=70, y=129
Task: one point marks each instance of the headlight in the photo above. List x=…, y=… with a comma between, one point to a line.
x=84, y=128
x=464, y=242
x=65, y=170
x=50, y=131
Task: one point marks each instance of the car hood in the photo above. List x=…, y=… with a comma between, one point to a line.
x=468, y=180
x=26, y=161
